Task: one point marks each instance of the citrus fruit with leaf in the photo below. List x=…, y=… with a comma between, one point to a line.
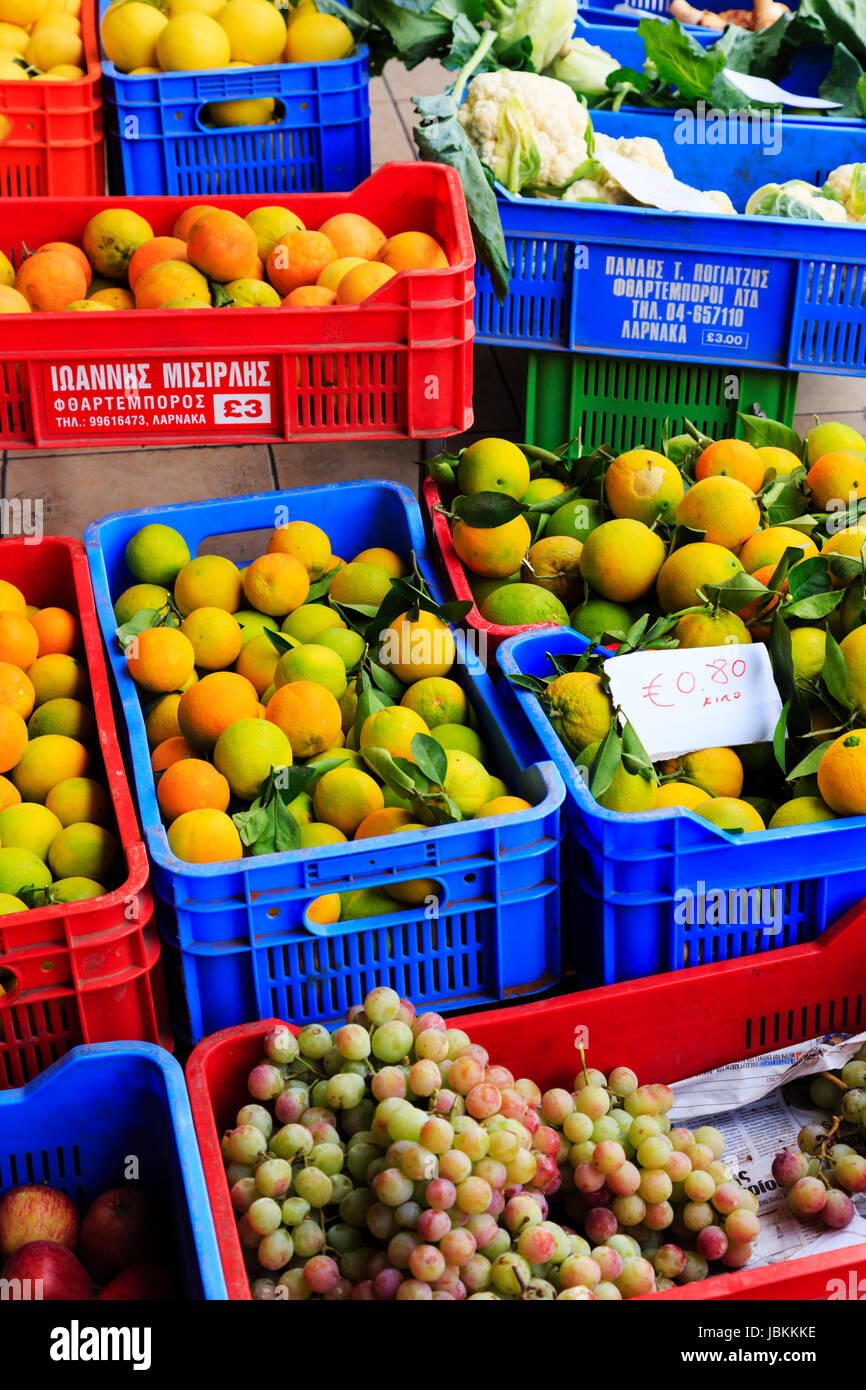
x=137, y=598
x=542, y=490
x=493, y=465
x=621, y=559
x=393, y=729
x=579, y=708
x=644, y=486
x=599, y=620
x=628, y=792
x=492, y=551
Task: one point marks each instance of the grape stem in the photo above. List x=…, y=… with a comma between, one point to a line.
x=837, y=1081
x=582, y=1056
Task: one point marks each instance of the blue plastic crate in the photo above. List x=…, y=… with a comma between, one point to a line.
x=630, y=281
x=643, y=888
x=616, y=13
x=246, y=946
x=157, y=142
x=74, y=1127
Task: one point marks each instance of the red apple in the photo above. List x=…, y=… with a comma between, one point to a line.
x=117, y=1231
x=143, y=1282
x=53, y=1266
x=35, y=1213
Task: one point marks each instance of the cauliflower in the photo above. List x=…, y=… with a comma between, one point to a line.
x=722, y=201
x=847, y=185
x=642, y=149
x=506, y=109
x=796, y=198
x=591, y=191
x=584, y=67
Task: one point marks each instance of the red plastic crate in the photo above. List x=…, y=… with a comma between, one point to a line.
x=55, y=145
x=90, y=971
x=399, y=365
x=450, y=564
x=666, y=1027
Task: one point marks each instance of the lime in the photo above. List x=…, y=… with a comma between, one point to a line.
x=156, y=553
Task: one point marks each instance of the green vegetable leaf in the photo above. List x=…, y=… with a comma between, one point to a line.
x=320, y=587
x=607, y=760
x=779, y=741
x=735, y=593
x=279, y=640
x=534, y=684
x=679, y=59
x=815, y=606
x=842, y=84
x=384, y=680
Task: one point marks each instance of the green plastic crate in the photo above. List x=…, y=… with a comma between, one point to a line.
x=625, y=403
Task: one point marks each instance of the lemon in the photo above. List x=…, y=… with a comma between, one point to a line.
x=629, y=792
x=130, y=32
x=192, y=41
x=466, y=781
x=256, y=31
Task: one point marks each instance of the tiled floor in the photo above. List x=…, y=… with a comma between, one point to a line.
x=76, y=488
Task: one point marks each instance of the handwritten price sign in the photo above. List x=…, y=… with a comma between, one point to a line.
x=703, y=697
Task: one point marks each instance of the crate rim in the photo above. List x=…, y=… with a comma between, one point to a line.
x=508, y=656
x=183, y=1126
x=155, y=832
x=138, y=875
x=649, y=989
x=361, y=50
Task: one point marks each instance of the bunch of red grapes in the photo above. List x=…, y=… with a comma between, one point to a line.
x=828, y=1167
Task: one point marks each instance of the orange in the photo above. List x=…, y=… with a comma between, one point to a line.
x=362, y=281
x=166, y=281
x=215, y=635
x=723, y=508
x=690, y=568
x=171, y=750
x=418, y=650
x=155, y=252
x=731, y=458
x=387, y=560
x=222, y=246
x=621, y=559
x=308, y=543
x=413, y=251
x=258, y=660
x=332, y=274
x=837, y=479
x=212, y=704
x=57, y=630
x=384, y=822
x=208, y=581
x=67, y=248
x=16, y=689
x=50, y=281
x=276, y=584
x=728, y=813
x=308, y=715
x=13, y=738
x=298, y=260
x=502, y=806
x=11, y=599
x=679, y=794
x=643, y=485
x=160, y=658
x=161, y=719
x=495, y=551
x=205, y=836
x=188, y=218
x=345, y=798
x=9, y=794
x=842, y=774
x=719, y=770
x=191, y=785
x=59, y=677
x=80, y=799
x=309, y=297
x=767, y=547
x=708, y=629
x=19, y=640
x=325, y=909
x=47, y=760
x=353, y=235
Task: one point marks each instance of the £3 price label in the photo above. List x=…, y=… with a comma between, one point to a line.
x=250, y=409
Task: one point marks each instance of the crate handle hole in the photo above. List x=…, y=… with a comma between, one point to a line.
x=10, y=985
x=273, y=912
x=47, y=966
x=206, y=119
x=470, y=878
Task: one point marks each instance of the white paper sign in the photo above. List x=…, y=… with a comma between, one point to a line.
x=649, y=186
x=762, y=89
x=682, y=699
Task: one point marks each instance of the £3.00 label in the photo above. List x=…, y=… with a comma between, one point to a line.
x=694, y=305
x=158, y=397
